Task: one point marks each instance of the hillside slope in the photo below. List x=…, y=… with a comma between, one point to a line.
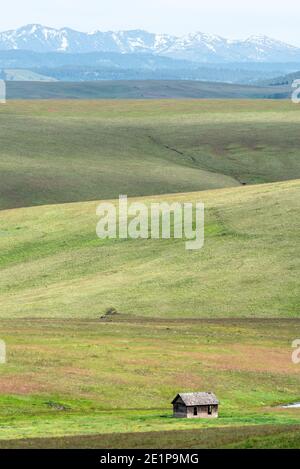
x=71, y=151
x=53, y=265
x=110, y=86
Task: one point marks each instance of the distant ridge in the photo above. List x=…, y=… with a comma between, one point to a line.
x=197, y=47
x=142, y=89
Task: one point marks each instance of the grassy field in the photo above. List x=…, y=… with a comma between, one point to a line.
x=221, y=319
x=53, y=265
x=85, y=378
x=249, y=437
x=72, y=151
x=136, y=89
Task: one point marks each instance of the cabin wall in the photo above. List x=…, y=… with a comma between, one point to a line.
x=202, y=412
x=180, y=410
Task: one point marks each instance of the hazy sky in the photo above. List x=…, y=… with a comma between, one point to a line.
x=229, y=18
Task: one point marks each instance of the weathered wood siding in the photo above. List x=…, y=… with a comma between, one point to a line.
x=195, y=405
x=202, y=412
x=180, y=409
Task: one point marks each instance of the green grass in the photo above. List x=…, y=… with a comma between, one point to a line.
x=54, y=266
x=286, y=439
x=270, y=436
x=221, y=319
x=68, y=377
x=66, y=151
x=138, y=89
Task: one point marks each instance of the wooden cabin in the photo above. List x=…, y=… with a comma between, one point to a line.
x=196, y=405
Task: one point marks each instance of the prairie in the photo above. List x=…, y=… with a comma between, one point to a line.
x=79, y=378
x=56, y=152
x=133, y=89
x=220, y=319
x=54, y=266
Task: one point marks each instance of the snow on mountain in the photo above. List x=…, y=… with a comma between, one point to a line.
x=262, y=48
x=198, y=47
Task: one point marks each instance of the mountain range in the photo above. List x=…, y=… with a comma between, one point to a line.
x=197, y=47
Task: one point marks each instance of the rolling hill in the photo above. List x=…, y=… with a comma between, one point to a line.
x=131, y=66
x=221, y=318
x=54, y=266
x=67, y=151
x=284, y=80
x=136, y=89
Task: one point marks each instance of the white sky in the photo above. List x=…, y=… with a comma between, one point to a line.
x=235, y=19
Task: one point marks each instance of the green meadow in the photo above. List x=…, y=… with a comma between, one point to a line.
x=133, y=89
x=116, y=378
x=54, y=266
x=220, y=319
x=73, y=151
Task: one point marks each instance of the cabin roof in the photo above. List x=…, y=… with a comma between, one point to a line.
x=197, y=398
